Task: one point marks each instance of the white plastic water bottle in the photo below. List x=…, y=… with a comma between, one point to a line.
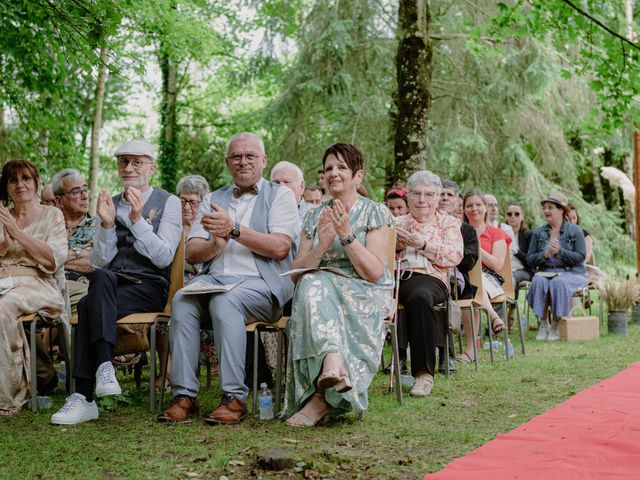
x=509, y=352
x=62, y=372
x=265, y=401
x=44, y=403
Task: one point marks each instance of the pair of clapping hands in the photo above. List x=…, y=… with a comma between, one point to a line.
x=553, y=247
x=405, y=237
x=9, y=226
x=107, y=211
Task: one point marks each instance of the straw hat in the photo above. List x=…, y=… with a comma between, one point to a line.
x=557, y=199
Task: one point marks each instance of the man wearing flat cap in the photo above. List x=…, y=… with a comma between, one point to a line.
x=243, y=233
x=135, y=241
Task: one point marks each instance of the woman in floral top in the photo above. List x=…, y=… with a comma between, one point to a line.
x=430, y=243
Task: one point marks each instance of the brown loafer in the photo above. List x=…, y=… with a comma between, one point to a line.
x=181, y=410
x=231, y=410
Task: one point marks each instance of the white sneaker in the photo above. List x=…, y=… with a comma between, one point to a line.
x=106, y=381
x=543, y=330
x=554, y=332
x=75, y=410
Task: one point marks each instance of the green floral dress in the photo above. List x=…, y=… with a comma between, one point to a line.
x=332, y=313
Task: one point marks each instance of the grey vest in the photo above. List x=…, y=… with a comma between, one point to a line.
x=128, y=260
x=270, y=269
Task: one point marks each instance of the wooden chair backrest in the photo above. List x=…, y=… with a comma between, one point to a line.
x=507, y=274
x=177, y=275
x=391, y=250
x=475, y=278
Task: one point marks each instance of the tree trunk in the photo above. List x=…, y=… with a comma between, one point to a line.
x=413, y=72
x=96, y=126
x=597, y=183
x=168, y=158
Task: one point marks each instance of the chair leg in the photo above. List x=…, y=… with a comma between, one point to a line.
x=152, y=366
x=34, y=372
x=473, y=335
x=67, y=356
x=490, y=334
x=164, y=362
x=72, y=348
x=256, y=335
x=279, y=372
x=520, y=332
x=396, y=363
x=505, y=319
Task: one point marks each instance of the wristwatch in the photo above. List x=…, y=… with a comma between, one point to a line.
x=235, y=232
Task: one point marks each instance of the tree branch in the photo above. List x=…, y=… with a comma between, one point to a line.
x=601, y=25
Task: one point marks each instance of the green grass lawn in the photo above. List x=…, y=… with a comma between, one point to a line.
x=421, y=436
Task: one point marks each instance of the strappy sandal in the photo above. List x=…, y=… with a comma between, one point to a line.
x=7, y=412
x=300, y=420
x=332, y=378
x=465, y=358
x=497, y=325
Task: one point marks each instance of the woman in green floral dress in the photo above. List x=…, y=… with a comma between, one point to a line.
x=336, y=330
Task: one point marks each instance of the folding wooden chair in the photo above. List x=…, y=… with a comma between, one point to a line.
x=390, y=322
x=35, y=321
x=471, y=304
x=154, y=319
x=279, y=329
x=507, y=298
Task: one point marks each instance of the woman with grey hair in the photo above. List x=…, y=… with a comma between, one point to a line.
x=191, y=189
x=429, y=243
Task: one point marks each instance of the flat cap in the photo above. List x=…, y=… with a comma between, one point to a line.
x=136, y=147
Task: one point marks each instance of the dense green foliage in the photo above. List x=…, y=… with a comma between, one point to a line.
x=522, y=91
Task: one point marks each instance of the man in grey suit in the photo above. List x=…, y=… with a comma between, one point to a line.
x=243, y=233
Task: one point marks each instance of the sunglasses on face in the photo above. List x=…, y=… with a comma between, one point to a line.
x=513, y=214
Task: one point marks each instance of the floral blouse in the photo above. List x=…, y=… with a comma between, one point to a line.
x=443, y=231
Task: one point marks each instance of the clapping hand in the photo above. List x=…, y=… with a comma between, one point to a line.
x=340, y=219
x=6, y=242
x=10, y=224
x=409, y=239
x=553, y=247
x=218, y=222
x=136, y=200
x=106, y=210
x=326, y=230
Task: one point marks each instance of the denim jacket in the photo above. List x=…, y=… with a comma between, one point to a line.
x=572, y=248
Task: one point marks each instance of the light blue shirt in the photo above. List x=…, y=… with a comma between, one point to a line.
x=160, y=248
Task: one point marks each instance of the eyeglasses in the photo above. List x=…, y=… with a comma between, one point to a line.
x=513, y=214
x=427, y=195
x=24, y=180
x=192, y=203
x=77, y=192
x=236, y=158
x=136, y=163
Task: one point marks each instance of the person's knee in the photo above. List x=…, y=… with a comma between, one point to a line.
x=419, y=299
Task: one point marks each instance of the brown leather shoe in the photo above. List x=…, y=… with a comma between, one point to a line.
x=181, y=410
x=231, y=410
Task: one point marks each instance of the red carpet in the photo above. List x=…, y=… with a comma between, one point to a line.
x=595, y=435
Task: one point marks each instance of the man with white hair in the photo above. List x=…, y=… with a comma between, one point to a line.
x=47, y=197
x=243, y=234
x=288, y=174
x=72, y=198
x=134, y=247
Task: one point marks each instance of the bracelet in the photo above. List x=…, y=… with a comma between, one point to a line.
x=348, y=241
x=424, y=247
x=314, y=255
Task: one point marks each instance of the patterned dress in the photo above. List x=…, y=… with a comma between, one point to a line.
x=332, y=313
x=33, y=293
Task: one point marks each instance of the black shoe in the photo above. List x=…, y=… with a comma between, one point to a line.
x=49, y=387
x=442, y=367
